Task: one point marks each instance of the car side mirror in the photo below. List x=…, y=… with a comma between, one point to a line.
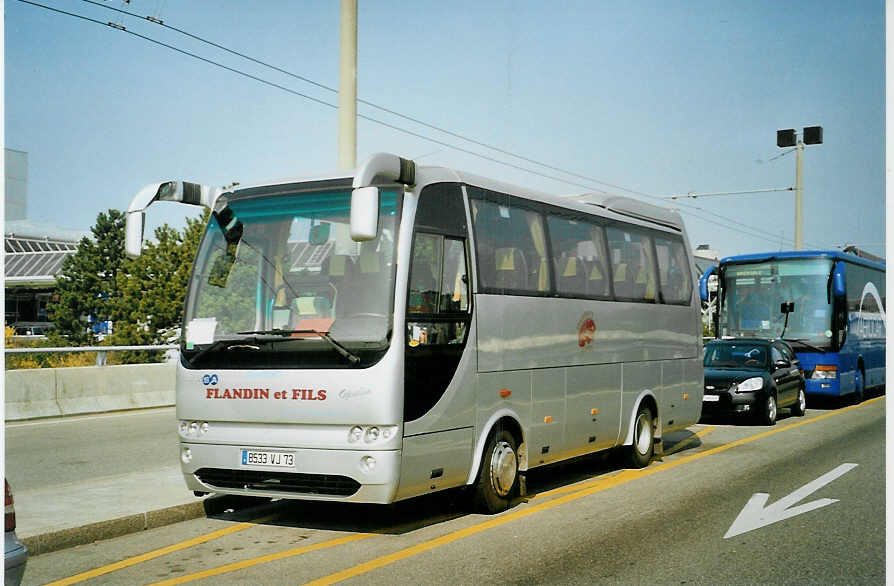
x=782, y=364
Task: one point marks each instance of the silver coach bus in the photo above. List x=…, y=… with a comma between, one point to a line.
x=405, y=330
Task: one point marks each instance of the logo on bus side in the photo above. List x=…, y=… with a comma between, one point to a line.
x=209, y=379
x=586, y=330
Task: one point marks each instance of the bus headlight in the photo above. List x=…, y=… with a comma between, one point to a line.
x=372, y=434
x=752, y=384
x=355, y=434
x=823, y=371
x=186, y=455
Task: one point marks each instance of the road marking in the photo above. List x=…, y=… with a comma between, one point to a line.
x=263, y=559
x=158, y=553
x=685, y=442
x=584, y=484
x=598, y=486
x=754, y=515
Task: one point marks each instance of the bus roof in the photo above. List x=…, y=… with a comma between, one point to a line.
x=624, y=206
x=791, y=254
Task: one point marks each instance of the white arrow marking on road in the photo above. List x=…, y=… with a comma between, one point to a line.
x=755, y=515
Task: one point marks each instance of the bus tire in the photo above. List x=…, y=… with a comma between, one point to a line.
x=639, y=453
x=800, y=406
x=498, y=474
x=766, y=415
x=859, y=386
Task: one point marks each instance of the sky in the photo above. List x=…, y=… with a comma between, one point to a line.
x=646, y=99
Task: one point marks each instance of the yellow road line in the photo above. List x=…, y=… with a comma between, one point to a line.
x=263, y=559
x=157, y=553
x=598, y=486
x=683, y=443
x=578, y=486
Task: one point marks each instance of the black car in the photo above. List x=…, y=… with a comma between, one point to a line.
x=752, y=377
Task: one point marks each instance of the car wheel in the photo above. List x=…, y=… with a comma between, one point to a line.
x=498, y=473
x=639, y=453
x=767, y=413
x=800, y=406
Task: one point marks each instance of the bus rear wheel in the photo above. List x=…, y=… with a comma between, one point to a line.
x=498, y=474
x=639, y=453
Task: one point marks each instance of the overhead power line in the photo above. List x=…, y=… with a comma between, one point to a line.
x=691, y=195
x=307, y=97
x=366, y=102
x=733, y=223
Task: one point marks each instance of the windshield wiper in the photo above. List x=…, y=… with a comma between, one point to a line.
x=350, y=356
x=805, y=344
x=225, y=343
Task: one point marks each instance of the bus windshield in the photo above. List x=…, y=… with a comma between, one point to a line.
x=279, y=283
x=754, y=293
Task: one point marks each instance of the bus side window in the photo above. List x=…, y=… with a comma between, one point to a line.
x=455, y=282
x=673, y=272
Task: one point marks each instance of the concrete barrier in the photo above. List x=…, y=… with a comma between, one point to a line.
x=50, y=392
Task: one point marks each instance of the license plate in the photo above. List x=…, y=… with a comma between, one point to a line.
x=265, y=458
x=710, y=398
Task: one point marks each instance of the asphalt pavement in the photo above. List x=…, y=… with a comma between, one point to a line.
x=81, y=479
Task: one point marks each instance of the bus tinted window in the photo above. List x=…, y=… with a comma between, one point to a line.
x=633, y=263
x=511, y=247
x=579, y=258
x=673, y=270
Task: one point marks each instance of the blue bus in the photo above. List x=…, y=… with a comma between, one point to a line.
x=828, y=304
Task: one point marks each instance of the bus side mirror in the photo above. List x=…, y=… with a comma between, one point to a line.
x=364, y=213
x=703, y=284
x=839, y=287
x=133, y=233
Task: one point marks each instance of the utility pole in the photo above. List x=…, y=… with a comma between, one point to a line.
x=347, y=87
x=789, y=138
x=799, y=212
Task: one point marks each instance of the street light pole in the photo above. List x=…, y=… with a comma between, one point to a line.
x=789, y=138
x=799, y=216
x=347, y=87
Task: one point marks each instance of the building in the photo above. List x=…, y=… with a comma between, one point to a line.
x=34, y=251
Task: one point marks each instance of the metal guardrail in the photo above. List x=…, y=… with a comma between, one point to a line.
x=101, y=351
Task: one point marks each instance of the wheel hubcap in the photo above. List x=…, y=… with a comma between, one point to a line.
x=503, y=466
x=643, y=434
x=802, y=400
x=771, y=408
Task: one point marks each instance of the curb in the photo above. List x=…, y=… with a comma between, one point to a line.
x=92, y=532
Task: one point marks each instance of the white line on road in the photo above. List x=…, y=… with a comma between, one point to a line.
x=754, y=515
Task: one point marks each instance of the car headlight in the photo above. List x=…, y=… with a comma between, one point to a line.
x=749, y=385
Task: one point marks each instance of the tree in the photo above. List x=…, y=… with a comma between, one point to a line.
x=152, y=289
x=88, y=283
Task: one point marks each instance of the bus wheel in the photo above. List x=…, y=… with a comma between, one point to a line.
x=767, y=414
x=858, y=387
x=639, y=454
x=800, y=406
x=498, y=474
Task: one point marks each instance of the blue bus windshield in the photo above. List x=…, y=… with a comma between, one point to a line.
x=755, y=292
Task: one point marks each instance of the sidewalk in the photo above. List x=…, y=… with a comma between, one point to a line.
x=72, y=514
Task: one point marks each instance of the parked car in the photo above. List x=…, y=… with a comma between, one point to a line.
x=16, y=554
x=752, y=377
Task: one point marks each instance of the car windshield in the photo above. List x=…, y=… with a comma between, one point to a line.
x=278, y=282
x=754, y=293
x=736, y=355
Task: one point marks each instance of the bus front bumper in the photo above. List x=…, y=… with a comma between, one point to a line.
x=823, y=387
x=364, y=476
